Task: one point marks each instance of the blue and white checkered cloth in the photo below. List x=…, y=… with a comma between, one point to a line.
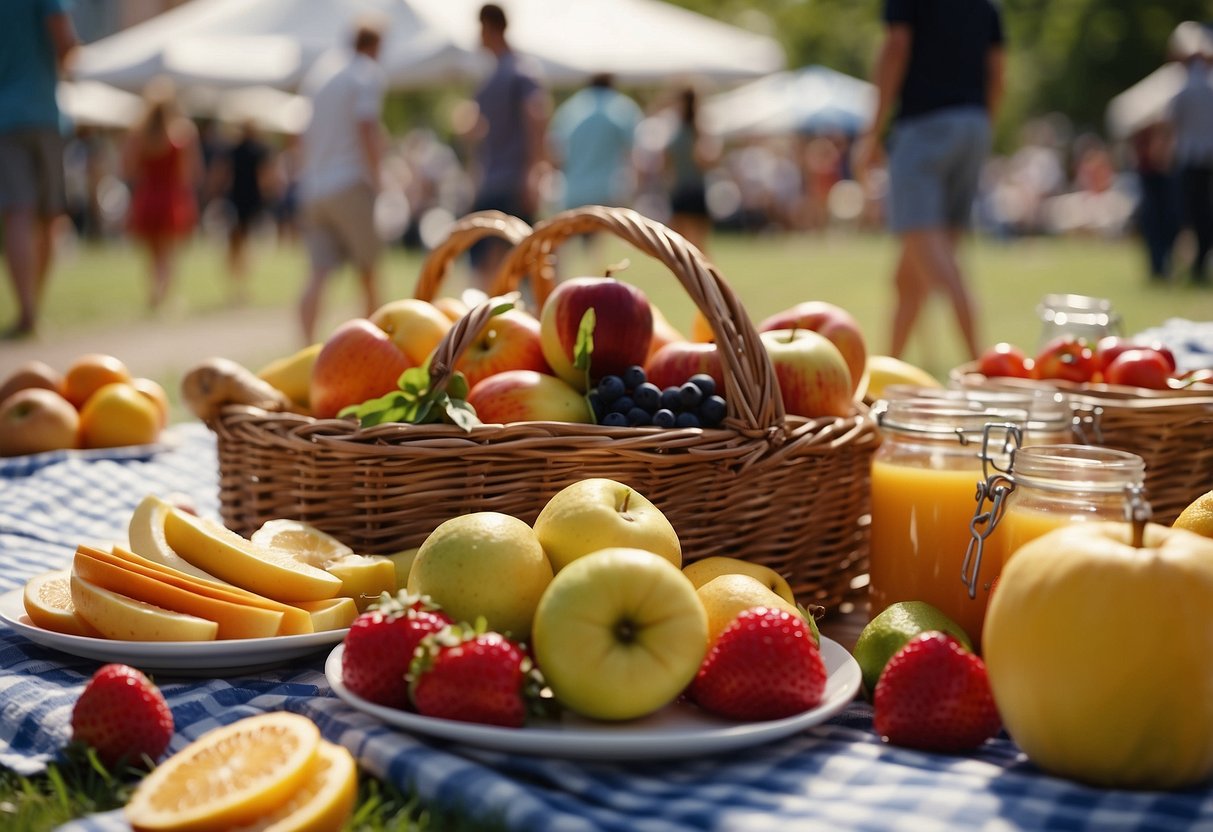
x=838, y=776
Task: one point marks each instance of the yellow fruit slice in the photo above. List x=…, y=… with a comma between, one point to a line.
x=229, y=776
x=363, y=577
x=48, y=603
x=146, y=534
x=323, y=803
x=234, y=620
x=122, y=618
x=294, y=620
x=230, y=557
x=331, y=613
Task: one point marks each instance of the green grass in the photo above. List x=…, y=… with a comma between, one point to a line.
x=101, y=286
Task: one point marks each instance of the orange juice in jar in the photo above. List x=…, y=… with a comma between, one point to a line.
x=924, y=484
x=1056, y=485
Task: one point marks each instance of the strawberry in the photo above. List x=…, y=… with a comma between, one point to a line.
x=380, y=645
x=764, y=665
x=473, y=676
x=935, y=695
x=123, y=716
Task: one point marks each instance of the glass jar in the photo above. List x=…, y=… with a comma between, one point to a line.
x=1082, y=316
x=1063, y=484
x=924, y=477
x=1051, y=418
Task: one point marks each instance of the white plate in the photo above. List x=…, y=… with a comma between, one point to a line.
x=180, y=658
x=679, y=730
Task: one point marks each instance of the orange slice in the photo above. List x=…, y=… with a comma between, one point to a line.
x=48, y=603
x=228, y=777
x=324, y=803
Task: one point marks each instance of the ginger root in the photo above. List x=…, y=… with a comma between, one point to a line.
x=217, y=382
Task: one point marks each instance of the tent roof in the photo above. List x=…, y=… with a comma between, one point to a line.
x=805, y=100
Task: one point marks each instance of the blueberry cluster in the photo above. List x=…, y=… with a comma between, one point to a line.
x=630, y=400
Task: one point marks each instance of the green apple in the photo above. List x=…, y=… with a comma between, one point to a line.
x=404, y=564
x=619, y=634
x=483, y=564
x=702, y=571
x=598, y=513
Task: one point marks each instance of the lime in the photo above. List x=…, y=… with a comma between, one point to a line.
x=890, y=630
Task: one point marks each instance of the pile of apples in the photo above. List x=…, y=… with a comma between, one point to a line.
x=1111, y=360
x=594, y=594
x=96, y=403
x=523, y=368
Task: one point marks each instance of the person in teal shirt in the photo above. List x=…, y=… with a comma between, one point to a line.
x=35, y=41
x=592, y=136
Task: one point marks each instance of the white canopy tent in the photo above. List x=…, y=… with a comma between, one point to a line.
x=1146, y=101
x=237, y=43
x=807, y=100
x=93, y=104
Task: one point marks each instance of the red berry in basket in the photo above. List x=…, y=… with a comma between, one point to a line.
x=935, y=695
x=380, y=645
x=123, y=716
x=473, y=676
x=764, y=665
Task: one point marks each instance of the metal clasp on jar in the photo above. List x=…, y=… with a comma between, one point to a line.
x=994, y=487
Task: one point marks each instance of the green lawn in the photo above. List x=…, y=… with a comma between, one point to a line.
x=106, y=285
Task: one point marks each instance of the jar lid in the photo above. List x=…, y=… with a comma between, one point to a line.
x=1067, y=467
x=946, y=417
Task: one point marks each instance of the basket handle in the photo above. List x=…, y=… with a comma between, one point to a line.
x=752, y=393
x=463, y=234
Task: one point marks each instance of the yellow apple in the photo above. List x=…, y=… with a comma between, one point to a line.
x=527, y=396
x=598, y=513
x=725, y=596
x=702, y=571
x=415, y=327
x=619, y=634
x=292, y=375
x=483, y=564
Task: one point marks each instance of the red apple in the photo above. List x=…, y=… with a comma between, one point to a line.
x=1139, y=368
x=527, y=396
x=812, y=374
x=509, y=341
x=1067, y=358
x=674, y=363
x=1004, y=359
x=622, y=333
x=1110, y=346
x=32, y=374
x=357, y=362
x=34, y=420
x=834, y=323
x=663, y=332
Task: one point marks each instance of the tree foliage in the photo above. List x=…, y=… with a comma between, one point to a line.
x=1067, y=56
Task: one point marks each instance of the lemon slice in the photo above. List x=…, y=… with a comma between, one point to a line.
x=324, y=802
x=48, y=603
x=306, y=543
x=146, y=533
x=229, y=776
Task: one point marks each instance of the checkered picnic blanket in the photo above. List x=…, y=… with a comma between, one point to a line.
x=838, y=776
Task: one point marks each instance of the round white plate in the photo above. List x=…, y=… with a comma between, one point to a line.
x=679, y=730
x=181, y=658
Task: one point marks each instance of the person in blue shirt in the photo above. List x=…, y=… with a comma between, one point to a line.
x=939, y=76
x=591, y=137
x=35, y=41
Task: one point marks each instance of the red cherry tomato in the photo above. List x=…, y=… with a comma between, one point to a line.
x=1066, y=358
x=1139, y=368
x=1004, y=359
x=1110, y=346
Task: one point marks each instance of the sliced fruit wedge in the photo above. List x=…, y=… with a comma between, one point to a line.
x=119, y=617
x=294, y=620
x=146, y=534
x=230, y=776
x=325, y=800
x=331, y=613
x=229, y=557
x=235, y=620
x=48, y=603
x=363, y=577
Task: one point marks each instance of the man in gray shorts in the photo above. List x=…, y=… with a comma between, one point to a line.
x=340, y=176
x=941, y=66
x=35, y=41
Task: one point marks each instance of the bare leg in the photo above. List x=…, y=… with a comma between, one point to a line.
x=694, y=228
x=368, y=277
x=161, y=252
x=309, y=302
x=932, y=254
x=237, y=265
x=43, y=242
x=912, y=292
x=21, y=255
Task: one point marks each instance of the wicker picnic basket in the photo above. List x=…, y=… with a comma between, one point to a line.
x=1172, y=430
x=786, y=492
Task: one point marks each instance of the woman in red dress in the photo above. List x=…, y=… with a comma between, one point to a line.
x=163, y=165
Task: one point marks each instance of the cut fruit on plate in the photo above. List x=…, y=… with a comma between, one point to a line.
x=146, y=534
x=324, y=801
x=230, y=776
x=48, y=603
x=363, y=577
x=118, y=617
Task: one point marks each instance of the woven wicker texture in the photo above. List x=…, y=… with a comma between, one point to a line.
x=1172, y=430
x=786, y=492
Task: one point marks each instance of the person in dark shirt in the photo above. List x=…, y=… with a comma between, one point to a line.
x=939, y=75
x=244, y=171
